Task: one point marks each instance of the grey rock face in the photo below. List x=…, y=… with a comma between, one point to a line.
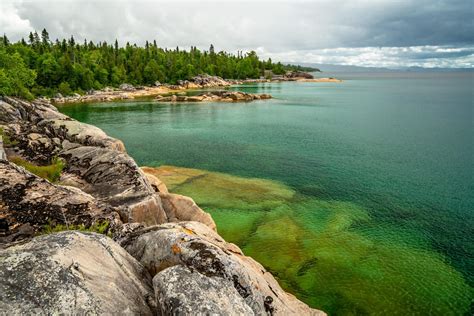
x=96, y=163
x=3, y=156
x=183, y=208
x=73, y=273
x=28, y=203
x=195, y=254
x=8, y=113
x=180, y=291
x=126, y=87
x=115, y=178
x=207, y=81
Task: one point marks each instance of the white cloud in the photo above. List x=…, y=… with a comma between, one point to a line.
x=336, y=31
x=10, y=21
x=390, y=57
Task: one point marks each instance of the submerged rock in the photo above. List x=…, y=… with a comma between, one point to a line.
x=73, y=273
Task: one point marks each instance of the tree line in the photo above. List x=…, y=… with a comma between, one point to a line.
x=39, y=66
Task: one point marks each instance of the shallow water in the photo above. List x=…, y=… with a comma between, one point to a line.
x=367, y=206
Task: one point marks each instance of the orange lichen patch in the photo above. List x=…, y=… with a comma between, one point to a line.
x=175, y=248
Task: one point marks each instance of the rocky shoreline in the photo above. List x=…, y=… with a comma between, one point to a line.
x=164, y=91
x=134, y=247
x=215, y=96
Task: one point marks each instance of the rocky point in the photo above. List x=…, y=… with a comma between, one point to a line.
x=158, y=252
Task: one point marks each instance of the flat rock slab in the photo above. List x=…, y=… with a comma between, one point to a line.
x=73, y=273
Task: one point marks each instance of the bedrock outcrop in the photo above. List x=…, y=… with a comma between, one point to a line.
x=215, y=96
x=189, y=257
x=94, y=162
x=161, y=253
x=29, y=203
x=73, y=273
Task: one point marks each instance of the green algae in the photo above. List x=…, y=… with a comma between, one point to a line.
x=331, y=254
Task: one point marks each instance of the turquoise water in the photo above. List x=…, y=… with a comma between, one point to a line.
x=392, y=154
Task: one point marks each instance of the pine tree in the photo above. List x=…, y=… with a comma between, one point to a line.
x=78, y=68
x=45, y=37
x=5, y=40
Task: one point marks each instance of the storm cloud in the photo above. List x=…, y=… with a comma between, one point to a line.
x=376, y=33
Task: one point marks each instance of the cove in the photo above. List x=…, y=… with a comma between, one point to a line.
x=357, y=196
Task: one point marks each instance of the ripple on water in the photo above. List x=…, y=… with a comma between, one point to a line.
x=331, y=254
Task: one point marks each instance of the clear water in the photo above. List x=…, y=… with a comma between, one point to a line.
x=371, y=203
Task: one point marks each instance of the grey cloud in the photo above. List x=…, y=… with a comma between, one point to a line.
x=276, y=27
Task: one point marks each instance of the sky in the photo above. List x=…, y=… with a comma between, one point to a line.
x=376, y=33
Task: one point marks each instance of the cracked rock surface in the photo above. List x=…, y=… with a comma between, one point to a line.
x=73, y=273
x=191, y=258
x=27, y=203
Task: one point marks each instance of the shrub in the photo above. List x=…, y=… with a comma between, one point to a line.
x=51, y=172
x=98, y=227
x=64, y=88
x=7, y=141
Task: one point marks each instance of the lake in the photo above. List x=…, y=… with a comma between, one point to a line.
x=358, y=196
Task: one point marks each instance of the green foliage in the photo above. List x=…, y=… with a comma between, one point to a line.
x=7, y=141
x=98, y=227
x=64, y=88
x=15, y=77
x=43, y=67
x=51, y=172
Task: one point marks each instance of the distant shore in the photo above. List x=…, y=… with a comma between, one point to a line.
x=128, y=92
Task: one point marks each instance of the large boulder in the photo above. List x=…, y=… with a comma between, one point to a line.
x=73, y=273
x=126, y=87
x=190, y=256
x=177, y=207
x=156, y=184
x=181, y=291
x=38, y=130
x=182, y=208
x=207, y=81
x=8, y=113
x=114, y=178
x=29, y=203
x=81, y=133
